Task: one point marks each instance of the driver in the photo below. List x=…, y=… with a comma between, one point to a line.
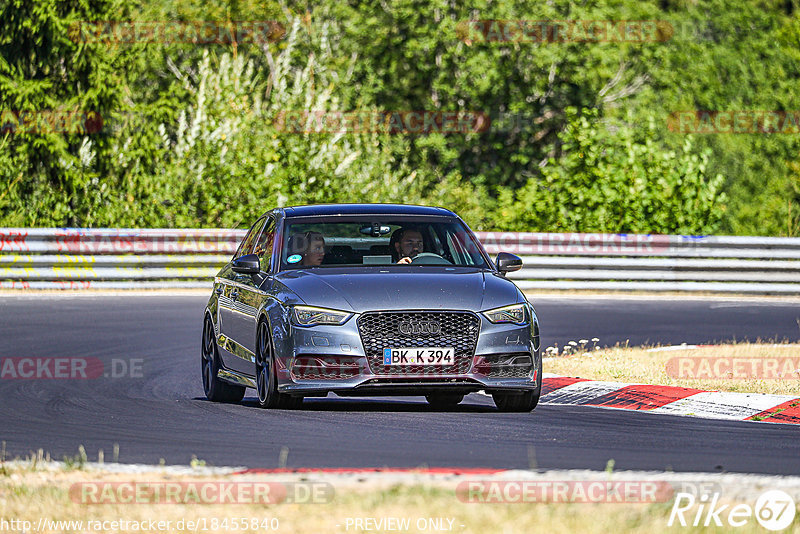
x=406, y=243
x=311, y=246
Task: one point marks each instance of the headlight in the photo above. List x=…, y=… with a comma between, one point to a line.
x=310, y=316
x=514, y=314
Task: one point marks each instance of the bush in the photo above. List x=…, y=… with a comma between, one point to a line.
x=611, y=178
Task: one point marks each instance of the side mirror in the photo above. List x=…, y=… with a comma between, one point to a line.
x=507, y=263
x=247, y=264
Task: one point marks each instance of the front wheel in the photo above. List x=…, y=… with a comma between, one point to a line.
x=267, y=377
x=525, y=402
x=510, y=402
x=216, y=390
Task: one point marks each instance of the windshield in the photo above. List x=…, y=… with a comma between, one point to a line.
x=376, y=240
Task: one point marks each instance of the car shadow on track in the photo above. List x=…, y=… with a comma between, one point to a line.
x=344, y=404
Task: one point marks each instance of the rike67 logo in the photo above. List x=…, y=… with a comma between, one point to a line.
x=774, y=510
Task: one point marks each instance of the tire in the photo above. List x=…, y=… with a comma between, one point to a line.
x=526, y=402
x=216, y=390
x=515, y=402
x=444, y=400
x=267, y=377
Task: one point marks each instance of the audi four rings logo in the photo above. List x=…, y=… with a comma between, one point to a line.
x=419, y=327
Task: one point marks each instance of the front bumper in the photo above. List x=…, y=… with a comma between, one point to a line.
x=327, y=359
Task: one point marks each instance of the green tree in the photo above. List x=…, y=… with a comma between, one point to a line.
x=229, y=157
x=613, y=178
x=54, y=171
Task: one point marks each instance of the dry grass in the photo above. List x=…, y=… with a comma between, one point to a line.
x=637, y=365
x=32, y=494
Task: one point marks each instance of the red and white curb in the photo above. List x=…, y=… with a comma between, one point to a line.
x=671, y=400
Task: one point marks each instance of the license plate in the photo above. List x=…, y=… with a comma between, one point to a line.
x=419, y=356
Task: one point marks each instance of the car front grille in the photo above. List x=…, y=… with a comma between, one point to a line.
x=380, y=330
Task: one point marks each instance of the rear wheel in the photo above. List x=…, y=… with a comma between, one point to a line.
x=215, y=389
x=266, y=374
x=444, y=400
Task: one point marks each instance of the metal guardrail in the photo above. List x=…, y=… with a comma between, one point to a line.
x=632, y=262
x=106, y=258
x=73, y=258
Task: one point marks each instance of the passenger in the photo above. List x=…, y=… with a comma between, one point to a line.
x=406, y=243
x=310, y=245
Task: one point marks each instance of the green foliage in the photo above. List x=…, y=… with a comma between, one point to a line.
x=578, y=141
x=228, y=159
x=612, y=178
x=50, y=175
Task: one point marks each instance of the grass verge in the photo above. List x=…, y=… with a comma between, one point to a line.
x=743, y=367
x=31, y=494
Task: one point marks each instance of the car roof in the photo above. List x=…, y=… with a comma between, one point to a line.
x=364, y=209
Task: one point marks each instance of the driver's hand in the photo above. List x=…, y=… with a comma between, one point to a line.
x=405, y=261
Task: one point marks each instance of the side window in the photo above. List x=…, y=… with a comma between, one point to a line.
x=264, y=244
x=247, y=243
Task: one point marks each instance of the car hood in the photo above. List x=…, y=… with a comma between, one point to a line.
x=395, y=288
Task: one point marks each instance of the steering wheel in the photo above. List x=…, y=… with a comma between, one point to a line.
x=429, y=258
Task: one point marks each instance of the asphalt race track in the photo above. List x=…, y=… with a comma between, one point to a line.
x=163, y=414
x=667, y=321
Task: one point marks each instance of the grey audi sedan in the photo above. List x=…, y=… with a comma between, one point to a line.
x=369, y=300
